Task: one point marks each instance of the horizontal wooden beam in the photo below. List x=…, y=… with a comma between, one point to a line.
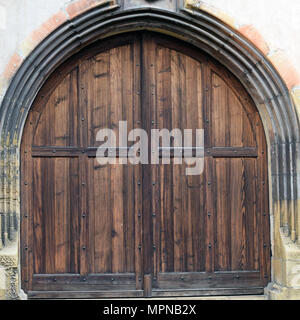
x=216, y=152
x=230, y=152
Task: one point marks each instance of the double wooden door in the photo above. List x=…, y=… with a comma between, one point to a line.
x=124, y=230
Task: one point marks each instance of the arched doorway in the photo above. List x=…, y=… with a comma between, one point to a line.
x=124, y=230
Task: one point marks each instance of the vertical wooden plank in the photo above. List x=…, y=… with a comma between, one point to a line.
x=219, y=111
x=38, y=217
x=163, y=101
x=117, y=182
x=74, y=217
x=236, y=122
x=250, y=177
x=62, y=215
x=194, y=215
x=48, y=213
x=99, y=95
x=137, y=170
x=238, y=211
x=148, y=285
x=127, y=78
x=61, y=113
x=263, y=217
x=147, y=103
x=177, y=195
x=85, y=88
x=26, y=201
x=85, y=85
x=210, y=182
x=100, y=216
x=100, y=208
x=73, y=110
x=209, y=241
x=85, y=246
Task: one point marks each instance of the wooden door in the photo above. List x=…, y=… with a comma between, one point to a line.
x=123, y=230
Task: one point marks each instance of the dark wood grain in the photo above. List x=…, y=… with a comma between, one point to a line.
x=91, y=230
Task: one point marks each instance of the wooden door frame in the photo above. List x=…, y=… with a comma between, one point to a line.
x=244, y=60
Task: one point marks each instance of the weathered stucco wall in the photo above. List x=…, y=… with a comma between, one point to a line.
x=272, y=26
x=276, y=20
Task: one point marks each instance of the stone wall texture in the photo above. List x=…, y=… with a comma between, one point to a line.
x=271, y=26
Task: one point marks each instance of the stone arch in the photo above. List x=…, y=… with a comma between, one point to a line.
x=204, y=30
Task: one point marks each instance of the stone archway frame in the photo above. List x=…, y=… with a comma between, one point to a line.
x=186, y=21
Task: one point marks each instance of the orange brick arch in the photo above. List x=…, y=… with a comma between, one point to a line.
x=75, y=8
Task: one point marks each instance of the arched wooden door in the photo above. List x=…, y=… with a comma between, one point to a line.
x=117, y=230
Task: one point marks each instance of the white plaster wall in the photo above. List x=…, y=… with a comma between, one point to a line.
x=18, y=18
x=277, y=20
